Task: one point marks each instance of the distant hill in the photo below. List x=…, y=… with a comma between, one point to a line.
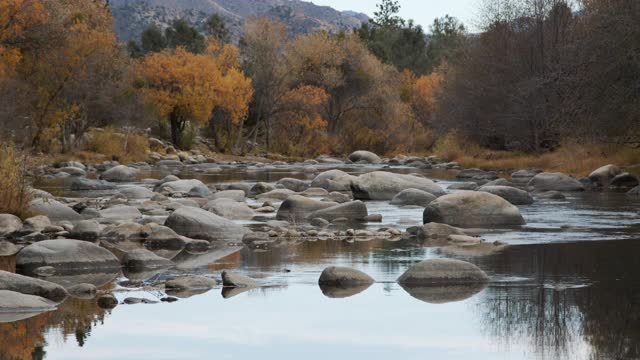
x=133, y=16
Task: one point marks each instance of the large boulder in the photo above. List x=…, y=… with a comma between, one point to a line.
x=413, y=197
x=511, y=194
x=353, y=210
x=555, y=181
x=322, y=179
x=381, y=185
x=442, y=272
x=344, y=277
x=469, y=209
x=292, y=184
x=200, y=224
x=120, y=173
x=9, y=224
x=623, y=182
x=230, y=209
x=365, y=156
x=31, y=286
x=67, y=255
x=54, y=210
x=603, y=175
x=15, y=306
x=84, y=184
x=298, y=208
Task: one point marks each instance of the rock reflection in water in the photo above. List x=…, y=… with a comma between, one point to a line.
x=339, y=292
x=444, y=294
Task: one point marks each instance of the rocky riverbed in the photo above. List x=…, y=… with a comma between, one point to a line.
x=168, y=231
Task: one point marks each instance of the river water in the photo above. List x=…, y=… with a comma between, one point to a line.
x=566, y=286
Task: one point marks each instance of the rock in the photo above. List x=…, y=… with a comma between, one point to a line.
x=142, y=259
x=66, y=256
x=365, y=156
x=261, y=188
x=136, y=192
x=435, y=230
x=440, y=294
x=380, y=185
x=31, y=286
x=470, y=209
x=293, y=184
x=236, y=195
x=555, y=181
x=321, y=178
x=82, y=291
x=343, y=277
x=122, y=232
x=477, y=174
x=500, y=182
x=120, y=173
x=277, y=194
x=9, y=224
x=230, y=279
x=634, y=192
x=463, y=240
x=315, y=192
x=373, y=218
x=107, y=302
x=553, y=195
x=318, y=222
x=181, y=186
x=338, y=197
x=162, y=237
x=603, y=175
x=86, y=230
x=54, y=210
x=84, y=184
x=511, y=194
x=465, y=185
x=201, y=224
x=38, y=223
x=8, y=248
x=526, y=173
x=191, y=283
x=45, y=271
x=354, y=210
x=413, y=197
x=16, y=306
x=298, y=208
x=229, y=209
x=442, y=272
x=623, y=182
x=121, y=212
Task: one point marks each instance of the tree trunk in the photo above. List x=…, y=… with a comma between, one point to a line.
x=175, y=127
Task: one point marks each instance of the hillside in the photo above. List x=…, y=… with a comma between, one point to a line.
x=132, y=16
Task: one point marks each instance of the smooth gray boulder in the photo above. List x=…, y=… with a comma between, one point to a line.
x=413, y=197
x=500, y=182
x=82, y=291
x=201, y=224
x=442, y=272
x=73, y=171
x=555, y=181
x=182, y=186
x=230, y=209
x=603, y=175
x=67, y=256
x=231, y=279
x=298, y=208
x=364, y=156
x=261, y=188
x=121, y=212
x=322, y=178
x=120, y=173
x=9, y=224
x=84, y=184
x=191, y=283
x=163, y=237
x=236, y=195
x=15, y=306
x=511, y=194
x=381, y=185
x=54, y=210
x=31, y=286
x=277, y=194
x=469, y=209
x=86, y=230
x=344, y=277
x=296, y=185
x=624, y=182
x=136, y=192
x=463, y=185
x=353, y=210
x=8, y=248
x=435, y=230
x=143, y=259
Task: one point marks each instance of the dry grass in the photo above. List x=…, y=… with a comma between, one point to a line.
x=571, y=158
x=14, y=185
x=117, y=146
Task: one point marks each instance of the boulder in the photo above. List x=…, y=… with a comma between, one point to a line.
x=121, y=212
x=120, y=173
x=84, y=184
x=469, y=209
x=500, y=182
x=16, y=306
x=435, y=230
x=298, y=208
x=181, y=186
x=477, y=174
x=86, y=230
x=162, y=237
x=603, y=175
x=380, y=185
x=236, y=195
x=353, y=210
x=191, y=283
x=200, y=191
x=315, y=192
x=9, y=224
x=107, y=302
x=511, y=194
x=136, y=192
x=54, y=210
x=122, y=232
x=634, y=192
x=66, y=255
x=31, y=286
x=8, y=248
x=229, y=209
x=464, y=185
x=230, y=279
x=277, y=194
x=344, y=277
x=73, y=171
x=442, y=272
x=142, y=259
x=293, y=184
x=321, y=178
x=413, y=197
x=261, y=188
x=82, y=291
x=201, y=224
x=623, y=182
x=555, y=181
x=38, y=223
x=244, y=186
x=365, y=156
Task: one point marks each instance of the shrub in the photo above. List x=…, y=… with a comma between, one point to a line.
x=118, y=146
x=14, y=186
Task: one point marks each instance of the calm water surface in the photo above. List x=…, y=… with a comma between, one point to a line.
x=566, y=287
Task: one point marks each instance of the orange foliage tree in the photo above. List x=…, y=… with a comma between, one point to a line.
x=15, y=17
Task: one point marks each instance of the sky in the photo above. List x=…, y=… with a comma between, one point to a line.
x=421, y=11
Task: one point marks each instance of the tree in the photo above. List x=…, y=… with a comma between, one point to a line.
x=16, y=16
x=217, y=28
x=152, y=39
x=387, y=14
x=181, y=34
x=448, y=36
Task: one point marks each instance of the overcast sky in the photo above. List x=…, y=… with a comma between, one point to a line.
x=421, y=11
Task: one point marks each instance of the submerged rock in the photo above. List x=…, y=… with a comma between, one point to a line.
x=84, y=184
x=443, y=272
x=230, y=279
x=444, y=293
x=344, y=277
x=470, y=209
x=82, y=291
x=555, y=181
x=298, y=208
x=435, y=230
x=191, y=283
x=552, y=195
x=381, y=185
